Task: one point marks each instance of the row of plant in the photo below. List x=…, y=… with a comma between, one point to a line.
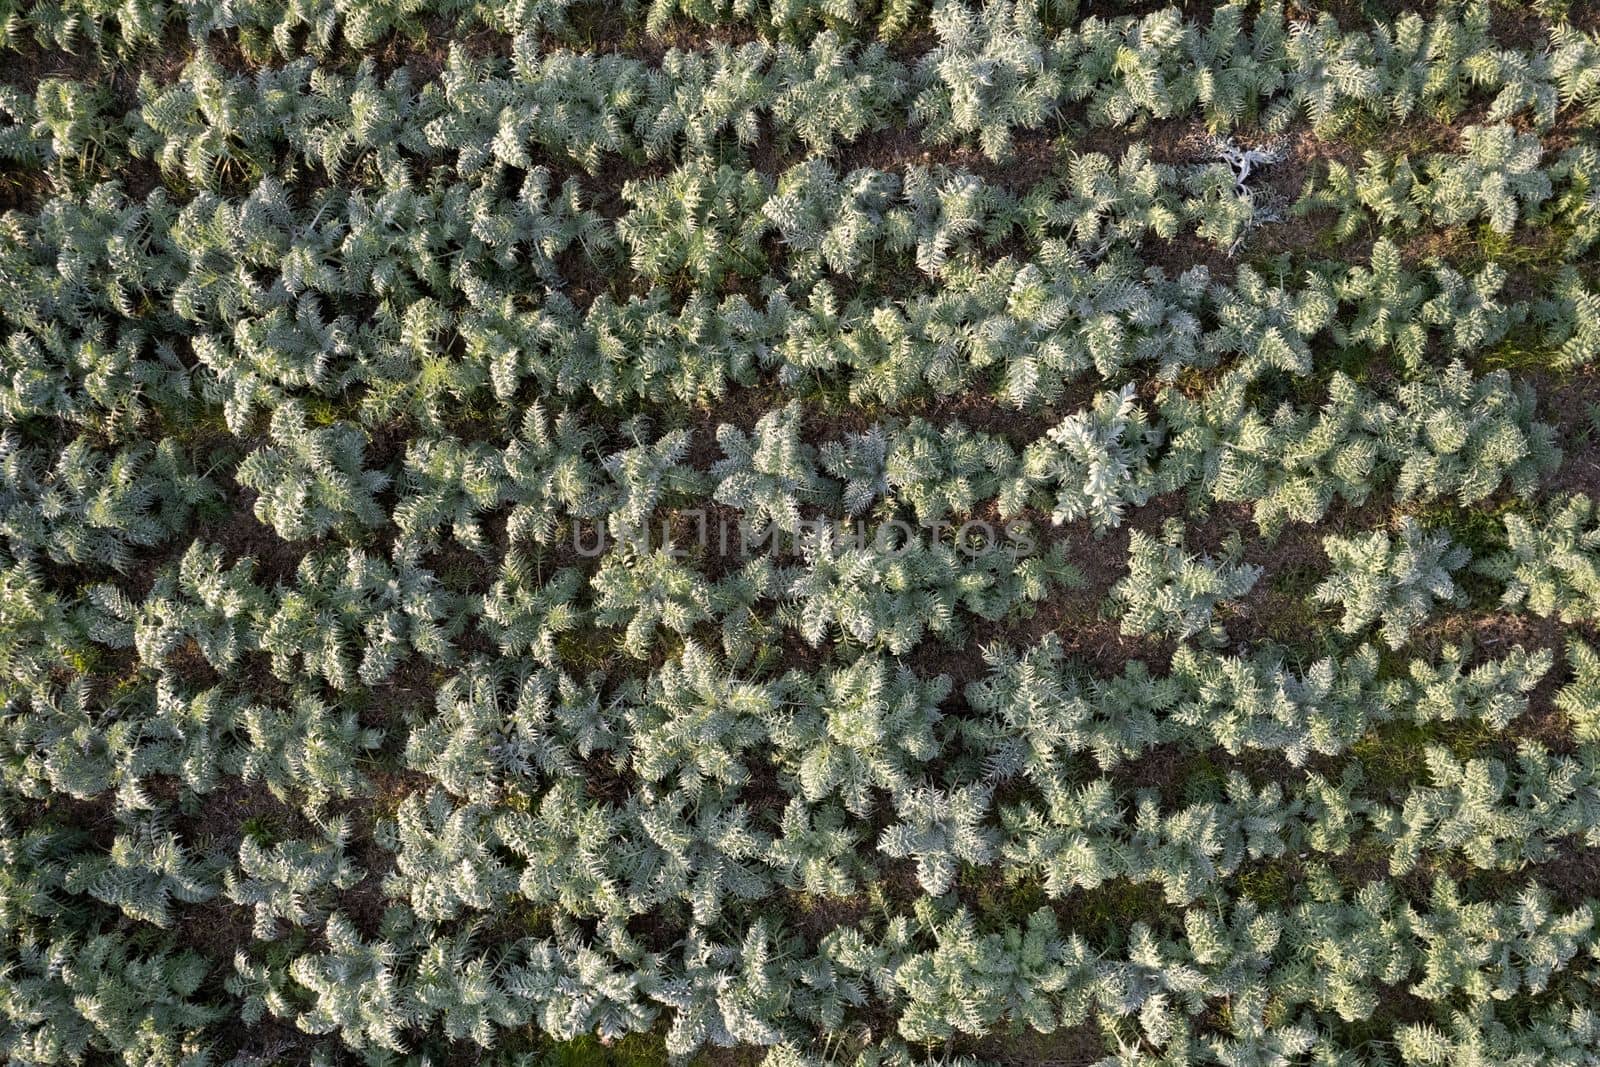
x=347, y=620
x=994, y=74
x=268, y=306
x=996, y=69
x=690, y=744
x=887, y=534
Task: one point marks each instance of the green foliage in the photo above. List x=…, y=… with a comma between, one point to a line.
x=311, y=481
x=890, y=596
x=352, y=617
x=72, y=998
x=1100, y=460
x=1580, y=698
x=292, y=880
x=641, y=591
x=1394, y=580
x=989, y=75
x=144, y=870
x=306, y=748
x=1549, y=567
x=521, y=532
x=91, y=506
x=1462, y=436
x=701, y=225
x=1495, y=179
x=768, y=474
x=1170, y=592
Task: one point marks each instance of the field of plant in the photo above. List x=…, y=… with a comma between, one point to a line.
x=789, y=533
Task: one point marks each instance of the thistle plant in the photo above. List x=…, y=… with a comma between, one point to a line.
x=1550, y=563
x=770, y=473
x=1169, y=591
x=311, y=481
x=1396, y=580
x=480, y=730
